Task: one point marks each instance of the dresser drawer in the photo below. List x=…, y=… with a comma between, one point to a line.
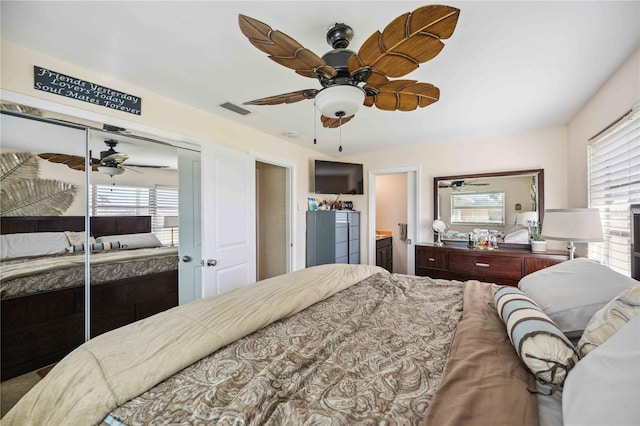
x=431, y=258
x=500, y=266
x=533, y=265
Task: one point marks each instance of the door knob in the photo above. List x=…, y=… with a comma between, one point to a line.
x=212, y=262
x=186, y=258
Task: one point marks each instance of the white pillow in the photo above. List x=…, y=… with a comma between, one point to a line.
x=77, y=237
x=520, y=236
x=32, y=244
x=610, y=319
x=604, y=388
x=572, y=292
x=132, y=241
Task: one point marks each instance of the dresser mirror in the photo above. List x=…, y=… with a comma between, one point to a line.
x=491, y=202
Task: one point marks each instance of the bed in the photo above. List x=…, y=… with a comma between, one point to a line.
x=350, y=344
x=42, y=296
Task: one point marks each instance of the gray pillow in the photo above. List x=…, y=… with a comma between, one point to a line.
x=603, y=389
x=572, y=292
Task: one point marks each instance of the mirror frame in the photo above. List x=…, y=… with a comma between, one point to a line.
x=539, y=172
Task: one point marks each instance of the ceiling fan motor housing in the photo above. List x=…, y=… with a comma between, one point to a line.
x=339, y=35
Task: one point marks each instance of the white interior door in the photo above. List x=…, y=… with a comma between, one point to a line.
x=190, y=219
x=228, y=221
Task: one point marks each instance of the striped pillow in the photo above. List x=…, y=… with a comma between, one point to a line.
x=114, y=245
x=538, y=341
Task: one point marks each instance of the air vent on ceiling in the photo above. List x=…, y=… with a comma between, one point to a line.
x=235, y=108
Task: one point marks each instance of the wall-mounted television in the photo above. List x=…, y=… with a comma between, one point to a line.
x=332, y=177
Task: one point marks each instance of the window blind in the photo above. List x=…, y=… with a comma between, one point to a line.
x=157, y=202
x=485, y=208
x=614, y=184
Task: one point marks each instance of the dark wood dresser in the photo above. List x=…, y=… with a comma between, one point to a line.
x=500, y=266
x=384, y=252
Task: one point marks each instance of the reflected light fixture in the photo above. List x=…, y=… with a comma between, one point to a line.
x=339, y=101
x=573, y=225
x=111, y=170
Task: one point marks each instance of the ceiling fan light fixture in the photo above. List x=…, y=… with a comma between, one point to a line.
x=339, y=101
x=111, y=171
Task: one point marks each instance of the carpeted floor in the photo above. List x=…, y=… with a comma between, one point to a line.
x=13, y=389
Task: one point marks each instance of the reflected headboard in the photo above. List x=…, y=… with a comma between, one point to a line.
x=100, y=225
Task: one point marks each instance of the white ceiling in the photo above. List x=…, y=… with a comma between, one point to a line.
x=509, y=66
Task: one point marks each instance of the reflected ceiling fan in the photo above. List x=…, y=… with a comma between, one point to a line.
x=349, y=79
x=458, y=185
x=110, y=162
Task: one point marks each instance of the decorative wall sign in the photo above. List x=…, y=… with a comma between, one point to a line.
x=72, y=87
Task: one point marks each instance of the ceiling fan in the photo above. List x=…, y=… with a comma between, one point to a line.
x=458, y=185
x=349, y=79
x=110, y=162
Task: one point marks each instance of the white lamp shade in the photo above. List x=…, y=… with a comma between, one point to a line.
x=576, y=225
x=171, y=221
x=524, y=217
x=339, y=101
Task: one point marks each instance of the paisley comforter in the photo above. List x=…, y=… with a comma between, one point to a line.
x=372, y=353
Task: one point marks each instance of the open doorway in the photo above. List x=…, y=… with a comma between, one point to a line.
x=393, y=210
x=271, y=220
x=274, y=216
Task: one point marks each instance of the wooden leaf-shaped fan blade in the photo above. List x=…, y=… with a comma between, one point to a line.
x=332, y=123
x=16, y=166
x=283, y=49
x=36, y=197
x=408, y=41
x=285, y=98
x=406, y=95
x=75, y=162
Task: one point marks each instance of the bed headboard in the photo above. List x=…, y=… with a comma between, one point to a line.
x=100, y=225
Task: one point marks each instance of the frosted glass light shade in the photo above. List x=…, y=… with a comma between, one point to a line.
x=339, y=101
x=111, y=171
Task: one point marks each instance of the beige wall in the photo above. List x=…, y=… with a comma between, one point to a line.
x=612, y=100
x=554, y=149
x=536, y=149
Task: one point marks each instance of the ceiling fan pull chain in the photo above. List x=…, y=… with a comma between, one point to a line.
x=315, y=124
x=340, y=128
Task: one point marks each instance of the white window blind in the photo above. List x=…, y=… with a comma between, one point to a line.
x=614, y=184
x=157, y=202
x=485, y=208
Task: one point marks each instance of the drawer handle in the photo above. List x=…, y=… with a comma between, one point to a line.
x=431, y=259
x=482, y=265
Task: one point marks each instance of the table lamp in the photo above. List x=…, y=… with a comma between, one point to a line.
x=171, y=222
x=573, y=225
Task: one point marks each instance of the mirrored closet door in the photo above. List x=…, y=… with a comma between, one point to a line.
x=43, y=223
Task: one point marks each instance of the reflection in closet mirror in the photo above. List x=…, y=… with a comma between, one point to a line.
x=43, y=215
x=129, y=186
x=489, y=201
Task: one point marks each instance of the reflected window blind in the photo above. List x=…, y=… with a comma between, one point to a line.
x=614, y=184
x=485, y=208
x=157, y=202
